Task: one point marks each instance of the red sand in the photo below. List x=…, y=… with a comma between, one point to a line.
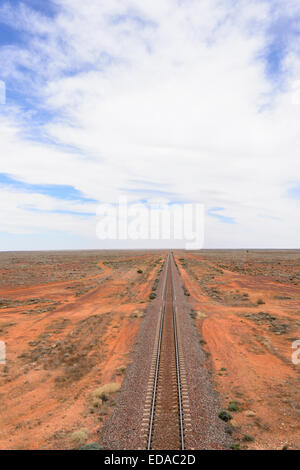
x=249, y=344
x=56, y=358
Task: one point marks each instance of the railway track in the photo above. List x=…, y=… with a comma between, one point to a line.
x=166, y=423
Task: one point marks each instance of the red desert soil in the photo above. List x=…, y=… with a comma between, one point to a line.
x=69, y=321
x=247, y=311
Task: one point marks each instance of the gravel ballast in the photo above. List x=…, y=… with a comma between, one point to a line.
x=122, y=430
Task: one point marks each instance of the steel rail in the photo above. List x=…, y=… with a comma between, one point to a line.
x=180, y=412
x=158, y=358
x=177, y=363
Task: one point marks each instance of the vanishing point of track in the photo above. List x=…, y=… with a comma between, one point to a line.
x=166, y=425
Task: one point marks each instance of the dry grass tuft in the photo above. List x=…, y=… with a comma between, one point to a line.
x=200, y=314
x=97, y=402
x=80, y=437
x=106, y=389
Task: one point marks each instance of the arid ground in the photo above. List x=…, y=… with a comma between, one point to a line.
x=246, y=305
x=70, y=322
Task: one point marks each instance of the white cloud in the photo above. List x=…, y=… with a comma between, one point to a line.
x=169, y=92
x=25, y=213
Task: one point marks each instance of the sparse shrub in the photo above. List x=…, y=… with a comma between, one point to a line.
x=155, y=285
x=260, y=302
x=233, y=406
x=92, y=446
x=137, y=314
x=121, y=370
x=248, y=438
x=235, y=446
x=97, y=402
x=152, y=296
x=225, y=416
x=80, y=437
x=139, y=271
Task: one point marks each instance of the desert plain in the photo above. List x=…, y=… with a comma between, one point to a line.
x=70, y=319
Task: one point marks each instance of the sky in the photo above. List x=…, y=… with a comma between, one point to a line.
x=189, y=101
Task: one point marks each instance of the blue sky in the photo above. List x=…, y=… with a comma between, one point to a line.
x=53, y=190
x=294, y=192
x=9, y=36
x=284, y=35
x=186, y=101
x=217, y=213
